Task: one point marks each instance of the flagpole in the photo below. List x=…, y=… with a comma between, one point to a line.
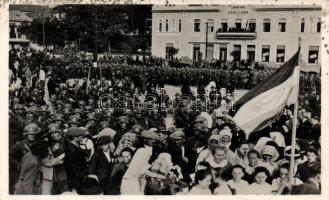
x=294, y=127
x=87, y=85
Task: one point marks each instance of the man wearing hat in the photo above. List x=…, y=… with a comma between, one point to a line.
x=177, y=149
x=155, y=119
x=195, y=145
x=58, y=119
x=74, y=121
x=139, y=119
x=123, y=128
x=139, y=164
x=130, y=139
x=102, y=163
x=75, y=163
x=16, y=123
x=20, y=148
x=30, y=116
x=91, y=124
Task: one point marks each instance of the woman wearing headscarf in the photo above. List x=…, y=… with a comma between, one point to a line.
x=219, y=161
x=161, y=173
x=269, y=156
x=212, y=142
x=134, y=179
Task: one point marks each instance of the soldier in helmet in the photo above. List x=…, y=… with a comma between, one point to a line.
x=91, y=124
x=16, y=122
x=123, y=128
x=30, y=116
x=55, y=177
x=74, y=121
x=59, y=119
x=139, y=119
x=19, y=149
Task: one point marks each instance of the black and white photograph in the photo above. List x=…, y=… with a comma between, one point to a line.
x=165, y=99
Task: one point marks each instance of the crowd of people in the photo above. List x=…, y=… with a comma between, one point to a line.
x=65, y=137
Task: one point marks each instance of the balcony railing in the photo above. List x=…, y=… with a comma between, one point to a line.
x=233, y=33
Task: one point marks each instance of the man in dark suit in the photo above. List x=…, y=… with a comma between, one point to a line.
x=74, y=161
x=312, y=185
x=102, y=164
x=119, y=171
x=303, y=169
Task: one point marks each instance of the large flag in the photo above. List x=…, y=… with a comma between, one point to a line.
x=265, y=103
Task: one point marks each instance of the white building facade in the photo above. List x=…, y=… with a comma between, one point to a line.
x=265, y=34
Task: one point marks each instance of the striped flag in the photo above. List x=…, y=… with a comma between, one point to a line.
x=265, y=103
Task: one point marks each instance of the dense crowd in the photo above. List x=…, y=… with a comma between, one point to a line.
x=109, y=135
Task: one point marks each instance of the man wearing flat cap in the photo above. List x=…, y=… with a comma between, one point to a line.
x=176, y=148
x=102, y=163
x=75, y=162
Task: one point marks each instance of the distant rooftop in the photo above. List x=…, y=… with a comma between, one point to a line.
x=33, y=11
x=18, y=16
x=218, y=8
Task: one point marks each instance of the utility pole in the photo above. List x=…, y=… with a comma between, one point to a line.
x=43, y=27
x=95, y=55
x=206, y=41
x=132, y=15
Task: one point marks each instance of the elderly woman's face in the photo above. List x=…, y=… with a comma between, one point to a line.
x=215, y=131
x=219, y=121
x=213, y=143
x=219, y=155
x=267, y=158
x=225, y=140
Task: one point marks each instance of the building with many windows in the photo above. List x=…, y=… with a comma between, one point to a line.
x=16, y=19
x=255, y=33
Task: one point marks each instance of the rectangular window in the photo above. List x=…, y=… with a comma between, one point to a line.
x=197, y=23
x=265, y=53
x=280, y=53
x=267, y=26
x=168, y=46
x=167, y=25
x=180, y=25
x=223, y=52
x=251, y=53
x=236, y=53
x=210, y=25
x=313, y=54
x=302, y=26
x=252, y=27
x=173, y=28
x=196, y=52
x=238, y=26
x=224, y=26
x=282, y=26
x=160, y=25
x=318, y=26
